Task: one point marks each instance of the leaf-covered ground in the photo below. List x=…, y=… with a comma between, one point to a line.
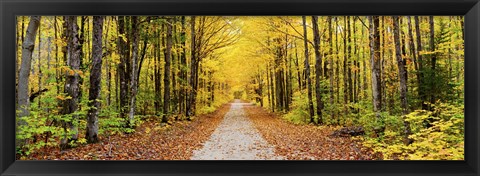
x=149, y=142
x=304, y=142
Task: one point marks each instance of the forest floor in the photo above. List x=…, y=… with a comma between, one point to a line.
x=305, y=142
x=149, y=142
x=235, y=131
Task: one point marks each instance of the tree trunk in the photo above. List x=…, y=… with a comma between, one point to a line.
x=157, y=73
x=355, y=64
x=193, y=71
x=174, y=63
x=166, y=78
x=279, y=76
x=290, y=83
x=183, y=65
x=72, y=88
x=108, y=72
x=349, y=62
x=364, y=63
x=122, y=69
x=95, y=80
x=39, y=63
x=402, y=74
x=337, y=68
x=421, y=88
x=318, y=68
x=307, y=70
x=375, y=63
x=401, y=66
x=268, y=86
x=412, y=51
x=432, y=89
x=330, y=55
x=24, y=73
x=272, y=92
x=57, y=78
x=133, y=77
x=345, y=58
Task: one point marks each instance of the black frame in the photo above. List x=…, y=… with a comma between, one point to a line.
x=11, y=8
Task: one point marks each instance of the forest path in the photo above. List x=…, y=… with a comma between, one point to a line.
x=236, y=139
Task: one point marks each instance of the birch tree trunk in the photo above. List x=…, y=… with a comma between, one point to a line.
x=24, y=73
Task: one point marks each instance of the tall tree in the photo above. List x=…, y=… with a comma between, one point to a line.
x=413, y=51
x=183, y=66
x=375, y=62
x=122, y=67
x=157, y=73
x=133, y=73
x=401, y=66
x=72, y=88
x=307, y=70
x=39, y=62
x=166, y=79
x=24, y=75
x=193, y=70
x=95, y=80
x=318, y=67
x=349, y=62
x=330, y=55
x=433, y=63
x=421, y=88
x=402, y=74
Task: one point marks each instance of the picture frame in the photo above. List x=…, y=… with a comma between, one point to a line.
x=11, y=8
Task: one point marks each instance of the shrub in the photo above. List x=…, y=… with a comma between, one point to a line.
x=442, y=140
x=299, y=109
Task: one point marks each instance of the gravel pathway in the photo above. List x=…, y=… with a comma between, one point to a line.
x=236, y=139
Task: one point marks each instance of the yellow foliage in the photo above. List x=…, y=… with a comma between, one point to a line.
x=60, y=97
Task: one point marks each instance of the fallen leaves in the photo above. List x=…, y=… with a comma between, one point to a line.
x=149, y=142
x=304, y=142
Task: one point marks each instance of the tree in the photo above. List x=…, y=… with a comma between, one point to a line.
x=72, y=89
x=421, y=87
x=307, y=70
x=330, y=52
x=318, y=67
x=402, y=74
x=95, y=79
x=413, y=52
x=401, y=66
x=133, y=73
x=166, y=79
x=193, y=70
x=433, y=63
x=24, y=75
x=375, y=63
x=123, y=68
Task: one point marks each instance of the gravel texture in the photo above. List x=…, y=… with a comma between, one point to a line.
x=236, y=139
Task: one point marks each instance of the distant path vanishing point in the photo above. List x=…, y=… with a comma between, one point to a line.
x=236, y=139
